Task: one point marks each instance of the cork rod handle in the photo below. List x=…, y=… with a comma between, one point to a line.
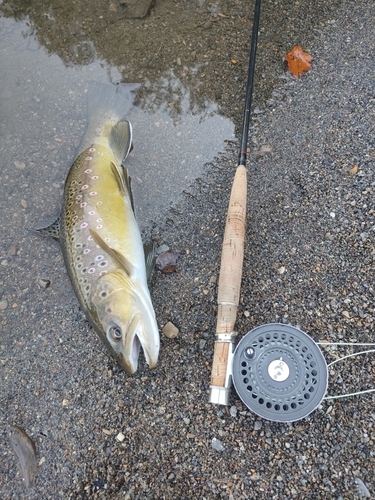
x=230, y=276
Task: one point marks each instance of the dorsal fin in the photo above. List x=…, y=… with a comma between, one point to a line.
x=119, y=179
x=123, y=181
x=123, y=261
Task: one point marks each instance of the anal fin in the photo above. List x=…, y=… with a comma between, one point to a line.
x=150, y=257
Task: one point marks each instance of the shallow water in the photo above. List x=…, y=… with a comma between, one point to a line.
x=43, y=110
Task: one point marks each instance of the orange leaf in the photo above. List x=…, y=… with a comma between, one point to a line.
x=298, y=61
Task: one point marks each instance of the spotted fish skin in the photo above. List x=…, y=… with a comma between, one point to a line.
x=102, y=245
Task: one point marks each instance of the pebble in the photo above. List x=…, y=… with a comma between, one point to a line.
x=362, y=488
x=202, y=344
x=170, y=330
x=44, y=283
x=257, y=425
x=233, y=411
x=120, y=437
x=3, y=304
x=163, y=248
x=19, y=164
x=217, y=444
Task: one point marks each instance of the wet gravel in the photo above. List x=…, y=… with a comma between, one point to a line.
x=309, y=261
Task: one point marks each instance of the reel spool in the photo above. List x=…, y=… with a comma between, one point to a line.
x=279, y=372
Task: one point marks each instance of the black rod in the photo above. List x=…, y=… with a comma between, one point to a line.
x=249, y=87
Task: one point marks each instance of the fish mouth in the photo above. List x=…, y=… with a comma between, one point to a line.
x=140, y=334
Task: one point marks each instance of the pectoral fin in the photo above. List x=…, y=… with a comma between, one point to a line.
x=123, y=261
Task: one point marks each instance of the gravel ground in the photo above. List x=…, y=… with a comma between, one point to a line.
x=309, y=261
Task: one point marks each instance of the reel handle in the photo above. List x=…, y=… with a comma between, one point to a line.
x=229, y=289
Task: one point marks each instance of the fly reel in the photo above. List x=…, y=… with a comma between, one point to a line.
x=279, y=372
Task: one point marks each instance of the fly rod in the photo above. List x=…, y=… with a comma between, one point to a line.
x=278, y=371
x=233, y=250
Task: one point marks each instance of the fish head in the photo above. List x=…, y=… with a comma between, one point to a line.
x=126, y=318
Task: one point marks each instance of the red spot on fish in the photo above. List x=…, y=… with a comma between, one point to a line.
x=83, y=204
x=99, y=226
x=95, y=177
x=91, y=270
x=79, y=197
x=85, y=186
x=93, y=193
x=92, y=150
x=84, y=225
x=88, y=158
x=86, y=251
x=91, y=212
x=88, y=171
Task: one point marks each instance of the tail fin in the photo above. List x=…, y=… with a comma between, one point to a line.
x=107, y=104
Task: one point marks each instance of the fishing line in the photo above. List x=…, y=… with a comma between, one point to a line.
x=349, y=394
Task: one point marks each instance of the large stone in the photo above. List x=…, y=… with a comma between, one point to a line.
x=136, y=9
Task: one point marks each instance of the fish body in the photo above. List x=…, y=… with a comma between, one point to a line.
x=100, y=238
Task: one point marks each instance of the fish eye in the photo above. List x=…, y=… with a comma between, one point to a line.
x=115, y=332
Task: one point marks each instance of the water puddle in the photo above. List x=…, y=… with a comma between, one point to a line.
x=43, y=109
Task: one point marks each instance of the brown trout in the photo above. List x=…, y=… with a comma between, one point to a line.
x=99, y=235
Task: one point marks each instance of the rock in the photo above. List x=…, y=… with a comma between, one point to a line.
x=170, y=331
x=233, y=411
x=166, y=262
x=202, y=344
x=24, y=447
x=257, y=425
x=136, y=9
x=44, y=283
x=362, y=488
x=3, y=304
x=162, y=249
x=120, y=437
x=217, y=444
x=19, y=164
